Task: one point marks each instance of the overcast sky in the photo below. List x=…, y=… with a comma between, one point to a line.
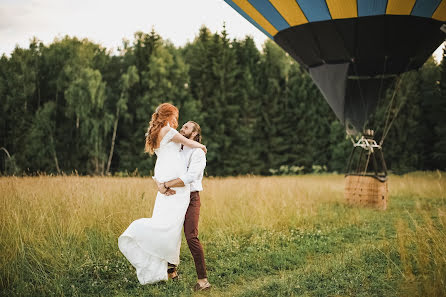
x=109, y=21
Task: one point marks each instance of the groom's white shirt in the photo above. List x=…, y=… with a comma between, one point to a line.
x=195, y=160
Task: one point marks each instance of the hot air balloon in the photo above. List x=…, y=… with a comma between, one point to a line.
x=352, y=49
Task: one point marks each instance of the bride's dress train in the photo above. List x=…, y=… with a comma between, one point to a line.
x=149, y=243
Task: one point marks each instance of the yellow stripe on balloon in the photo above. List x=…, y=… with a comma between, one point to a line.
x=342, y=9
x=290, y=11
x=440, y=12
x=402, y=7
x=256, y=16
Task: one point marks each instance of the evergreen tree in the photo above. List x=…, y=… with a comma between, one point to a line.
x=431, y=115
x=311, y=117
x=41, y=155
x=20, y=99
x=212, y=73
x=244, y=155
x=4, y=107
x=340, y=148
x=140, y=105
x=73, y=106
x=438, y=117
x=401, y=152
x=273, y=75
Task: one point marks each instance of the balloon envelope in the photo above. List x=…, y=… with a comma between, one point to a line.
x=352, y=49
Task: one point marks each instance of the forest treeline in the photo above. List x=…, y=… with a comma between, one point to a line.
x=74, y=106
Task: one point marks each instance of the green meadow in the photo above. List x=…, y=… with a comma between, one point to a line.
x=263, y=236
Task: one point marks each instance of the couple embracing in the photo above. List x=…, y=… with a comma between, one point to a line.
x=152, y=245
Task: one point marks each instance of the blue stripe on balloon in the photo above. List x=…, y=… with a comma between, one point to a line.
x=425, y=8
x=247, y=17
x=371, y=7
x=315, y=10
x=270, y=13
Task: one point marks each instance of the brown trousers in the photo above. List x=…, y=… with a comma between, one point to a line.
x=191, y=233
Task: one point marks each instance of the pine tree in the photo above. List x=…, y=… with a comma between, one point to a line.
x=273, y=75
x=140, y=105
x=244, y=157
x=438, y=116
x=212, y=73
x=21, y=99
x=311, y=117
x=41, y=152
x=72, y=105
x=430, y=113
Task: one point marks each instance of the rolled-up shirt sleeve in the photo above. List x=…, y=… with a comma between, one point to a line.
x=196, y=167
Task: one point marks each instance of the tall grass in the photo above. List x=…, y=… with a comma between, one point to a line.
x=263, y=236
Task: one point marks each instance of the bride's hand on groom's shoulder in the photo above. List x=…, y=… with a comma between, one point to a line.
x=205, y=150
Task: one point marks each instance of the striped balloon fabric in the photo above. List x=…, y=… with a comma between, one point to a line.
x=273, y=16
x=351, y=48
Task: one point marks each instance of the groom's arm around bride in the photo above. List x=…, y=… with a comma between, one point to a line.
x=196, y=163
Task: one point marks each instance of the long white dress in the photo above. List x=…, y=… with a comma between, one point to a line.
x=149, y=243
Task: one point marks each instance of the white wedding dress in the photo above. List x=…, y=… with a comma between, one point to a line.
x=149, y=243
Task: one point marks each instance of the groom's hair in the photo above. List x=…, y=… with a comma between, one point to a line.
x=197, y=129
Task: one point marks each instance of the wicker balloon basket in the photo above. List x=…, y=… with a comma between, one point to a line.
x=366, y=191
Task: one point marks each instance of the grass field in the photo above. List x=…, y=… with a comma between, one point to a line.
x=263, y=236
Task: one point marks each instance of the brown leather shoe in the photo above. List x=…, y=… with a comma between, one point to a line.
x=205, y=286
x=173, y=275
x=172, y=272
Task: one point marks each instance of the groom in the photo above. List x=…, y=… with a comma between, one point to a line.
x=196, y=162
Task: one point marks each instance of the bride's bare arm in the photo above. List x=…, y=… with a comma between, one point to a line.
x=178, y=138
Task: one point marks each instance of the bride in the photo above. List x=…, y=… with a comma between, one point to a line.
x=151, y=243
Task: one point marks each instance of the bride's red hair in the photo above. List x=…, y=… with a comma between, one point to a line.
x=162, y=115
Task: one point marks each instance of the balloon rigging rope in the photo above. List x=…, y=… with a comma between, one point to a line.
x=389, y=111
x=379, y=99
x=388, y=124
